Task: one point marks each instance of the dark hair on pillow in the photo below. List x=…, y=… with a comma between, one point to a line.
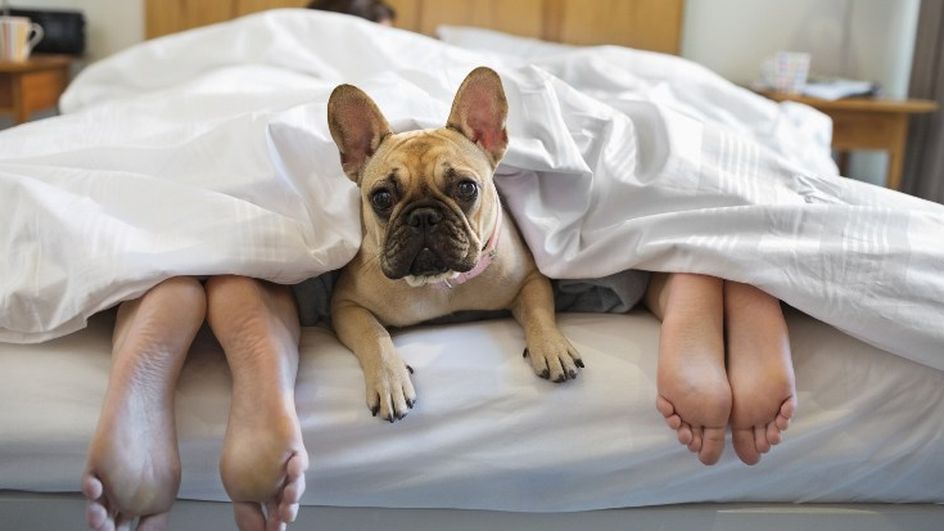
x=373, y=10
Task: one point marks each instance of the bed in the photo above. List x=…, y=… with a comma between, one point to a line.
x=491, y=447
x=501, y=443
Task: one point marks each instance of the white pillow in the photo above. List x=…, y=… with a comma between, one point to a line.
x=485, y=40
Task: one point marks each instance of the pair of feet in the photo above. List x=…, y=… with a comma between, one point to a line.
x=752, y=389
x=133, y=468
x=133, y=465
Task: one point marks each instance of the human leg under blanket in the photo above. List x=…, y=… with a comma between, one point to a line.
x=133, y=467
x=700, y=391
x=264, y=459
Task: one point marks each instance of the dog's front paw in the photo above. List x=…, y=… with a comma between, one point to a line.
x=553, y=358
x=390, y=390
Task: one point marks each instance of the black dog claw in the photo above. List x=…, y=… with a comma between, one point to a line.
x=560, y=379
x=525, y=353
x=579, y=363
x=409, y=369
x=546, y=374
x=409, y=403
x=374, y=410
x=573, y=374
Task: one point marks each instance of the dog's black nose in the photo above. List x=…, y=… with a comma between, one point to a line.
x=423, y=218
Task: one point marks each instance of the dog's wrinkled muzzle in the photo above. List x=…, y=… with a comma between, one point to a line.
x=423, y=222
x=427, y=263
x=425, y=241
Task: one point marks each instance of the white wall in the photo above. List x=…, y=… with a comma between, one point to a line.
x=110, y=25
x=859, y=39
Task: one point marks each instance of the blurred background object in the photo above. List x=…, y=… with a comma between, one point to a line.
x=785, y=72
x=64, y=30
x=924, y=168
x=372, y=10
x=18, y=37
x=90, y=29
x=837, y=88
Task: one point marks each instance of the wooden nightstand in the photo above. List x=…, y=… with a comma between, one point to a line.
x=33, y=85
x=868, y=123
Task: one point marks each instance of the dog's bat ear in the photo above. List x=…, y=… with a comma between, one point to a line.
x=357, y=127
x=479, y=112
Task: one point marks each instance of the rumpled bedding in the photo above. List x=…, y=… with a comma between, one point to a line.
x=207, y=152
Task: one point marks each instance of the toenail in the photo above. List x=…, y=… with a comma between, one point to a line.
x=579, y=363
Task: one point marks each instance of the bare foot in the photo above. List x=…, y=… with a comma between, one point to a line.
x=760, y=370
x=133, y=468
x=264, y=459
x=694, y=396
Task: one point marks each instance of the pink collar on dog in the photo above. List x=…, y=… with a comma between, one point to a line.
x=488, y=255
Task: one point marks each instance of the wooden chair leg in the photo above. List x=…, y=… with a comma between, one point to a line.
x=896, y=155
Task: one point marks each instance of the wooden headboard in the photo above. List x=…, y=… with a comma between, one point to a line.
x=646, y=24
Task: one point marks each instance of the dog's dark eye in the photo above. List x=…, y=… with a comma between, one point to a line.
x=467, y=190
x=381, y=200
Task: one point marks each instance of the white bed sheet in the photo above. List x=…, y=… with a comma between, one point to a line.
x=487, y=434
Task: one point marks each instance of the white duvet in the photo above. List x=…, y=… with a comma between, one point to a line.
x=207, y=152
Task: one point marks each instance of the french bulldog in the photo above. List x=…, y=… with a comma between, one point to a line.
x=435, y=238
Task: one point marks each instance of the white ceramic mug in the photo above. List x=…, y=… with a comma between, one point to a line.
x=18, y=36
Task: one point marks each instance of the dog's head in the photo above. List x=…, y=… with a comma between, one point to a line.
x=428, y=201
